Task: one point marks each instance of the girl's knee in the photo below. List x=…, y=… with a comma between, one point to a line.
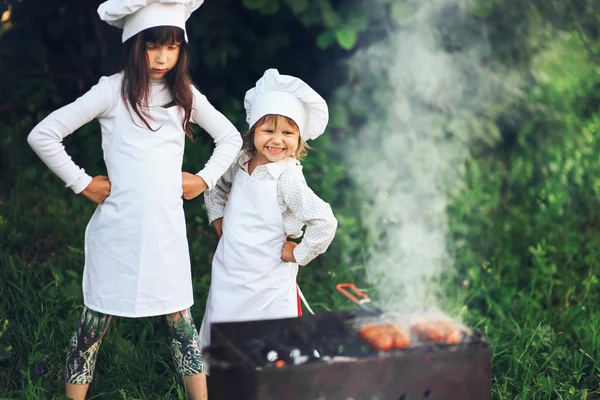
x=185, y=343
x=91, y=329
x=176, y=317
x=181, y=323
x=83, y=351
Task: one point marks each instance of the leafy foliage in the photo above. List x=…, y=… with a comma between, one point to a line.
x=527, y=239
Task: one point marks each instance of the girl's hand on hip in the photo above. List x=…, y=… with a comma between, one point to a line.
x=287, y=253
x=98, y=189
x=193, y=185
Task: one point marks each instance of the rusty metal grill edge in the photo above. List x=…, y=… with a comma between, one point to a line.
x=344, y=368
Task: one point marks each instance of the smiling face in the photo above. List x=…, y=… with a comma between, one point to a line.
x=161, y=58
x=275, y=139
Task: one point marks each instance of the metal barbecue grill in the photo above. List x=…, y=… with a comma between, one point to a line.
x=321, y=357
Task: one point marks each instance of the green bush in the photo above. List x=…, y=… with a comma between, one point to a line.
x=526, y=237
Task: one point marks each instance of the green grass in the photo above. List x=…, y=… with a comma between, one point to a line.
x=540, y=352
x=133, y=362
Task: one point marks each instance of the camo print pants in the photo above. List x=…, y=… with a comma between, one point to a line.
x=92, y=327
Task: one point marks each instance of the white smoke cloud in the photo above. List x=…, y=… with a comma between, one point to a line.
x=408, y=159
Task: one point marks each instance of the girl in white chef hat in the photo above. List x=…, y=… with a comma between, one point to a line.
x=262, y=200
x=136, y=252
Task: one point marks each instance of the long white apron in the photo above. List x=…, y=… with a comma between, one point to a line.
x=136, y=252
x=249, y=280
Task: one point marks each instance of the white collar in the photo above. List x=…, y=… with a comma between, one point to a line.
x=274, y=168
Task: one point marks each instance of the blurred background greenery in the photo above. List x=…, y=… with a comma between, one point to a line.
x=523, y=227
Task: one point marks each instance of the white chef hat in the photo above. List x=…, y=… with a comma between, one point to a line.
x=133, y=16
x=288, y=96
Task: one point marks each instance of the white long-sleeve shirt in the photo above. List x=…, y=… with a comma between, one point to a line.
x=137, y=260
x=100, y=103
x=299, y=205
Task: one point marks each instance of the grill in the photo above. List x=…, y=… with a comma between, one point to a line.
x=320, y=357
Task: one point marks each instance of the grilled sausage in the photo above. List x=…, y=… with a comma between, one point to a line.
x=401, y=339
x=437, y=331
x=453, y=335
x=428, y=331
x=377, y=337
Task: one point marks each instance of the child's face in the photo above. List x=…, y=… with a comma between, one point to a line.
x=274, y=142
x=161, y=58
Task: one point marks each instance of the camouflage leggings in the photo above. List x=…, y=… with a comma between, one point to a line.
x=83, y=350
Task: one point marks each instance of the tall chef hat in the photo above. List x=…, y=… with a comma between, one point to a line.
x=288, y=96
x=133, y=16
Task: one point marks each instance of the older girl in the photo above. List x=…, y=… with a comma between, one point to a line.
x=136, y=252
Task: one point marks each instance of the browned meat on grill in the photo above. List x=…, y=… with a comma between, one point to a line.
x=437, y=331
x=428, y=331
x=400, y=338
x=454, y=336
x=376, y=336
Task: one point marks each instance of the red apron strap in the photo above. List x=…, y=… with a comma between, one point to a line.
x=299, y=302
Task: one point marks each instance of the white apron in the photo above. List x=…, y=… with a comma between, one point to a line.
x=249, y=279
x=136, y=252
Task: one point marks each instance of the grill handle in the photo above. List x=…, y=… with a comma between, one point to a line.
x=341, y=287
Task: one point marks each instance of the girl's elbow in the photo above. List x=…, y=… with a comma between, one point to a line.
x=238, y=141
x=333, y=225
x=334, y=221
x=34, y=139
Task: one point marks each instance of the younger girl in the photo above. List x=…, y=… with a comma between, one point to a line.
x=262, y=200
x=136, y=253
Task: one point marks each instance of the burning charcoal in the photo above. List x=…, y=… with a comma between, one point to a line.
x=259, y=352
x=272, y=356
x=301, y=346
x=273, y=351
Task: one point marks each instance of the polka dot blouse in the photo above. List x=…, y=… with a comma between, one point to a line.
x=299, y=205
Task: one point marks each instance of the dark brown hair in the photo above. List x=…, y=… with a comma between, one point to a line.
x=272, y=120
x=136, y=74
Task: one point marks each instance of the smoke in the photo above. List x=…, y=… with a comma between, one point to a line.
x=426, y=91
